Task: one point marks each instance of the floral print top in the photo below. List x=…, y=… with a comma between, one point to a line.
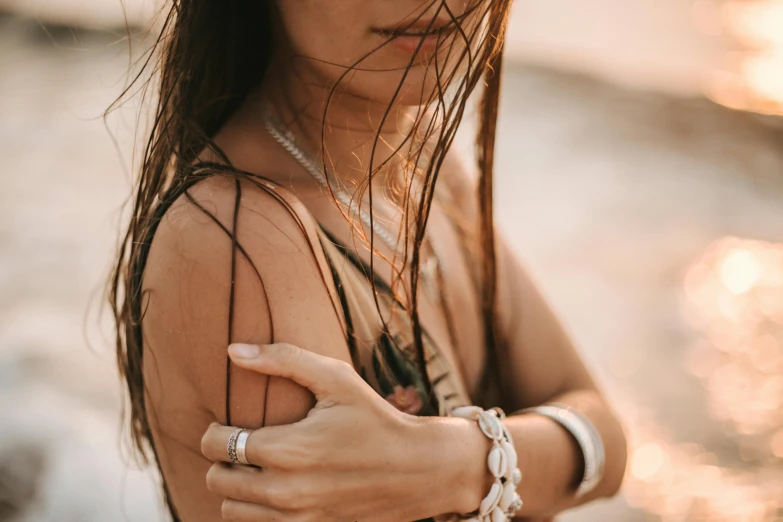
x=385, y=356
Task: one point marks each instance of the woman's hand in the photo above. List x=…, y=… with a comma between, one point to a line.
x=354, y=457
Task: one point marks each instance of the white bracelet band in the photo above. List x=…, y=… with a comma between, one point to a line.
x=502, y=502
x=586, y=436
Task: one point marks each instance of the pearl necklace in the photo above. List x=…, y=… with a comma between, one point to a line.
x=288, y=141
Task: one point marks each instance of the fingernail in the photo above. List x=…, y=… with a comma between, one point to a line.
x=244, y=351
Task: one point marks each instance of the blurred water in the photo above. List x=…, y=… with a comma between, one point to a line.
x=609, y=195
x=729, y=50
x=63, y=186
x=653, y=44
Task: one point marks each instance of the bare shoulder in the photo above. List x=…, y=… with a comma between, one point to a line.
x=192, y=311
x=202, y=220
x=279, y=292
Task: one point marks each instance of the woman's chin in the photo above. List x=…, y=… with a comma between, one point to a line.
x=418, y=88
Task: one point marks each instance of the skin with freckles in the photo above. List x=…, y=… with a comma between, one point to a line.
x=331, y=448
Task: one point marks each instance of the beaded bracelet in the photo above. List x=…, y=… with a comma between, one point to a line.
x=502, y=502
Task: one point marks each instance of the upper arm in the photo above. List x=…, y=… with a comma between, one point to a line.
x=279, y=294
x=543, y=359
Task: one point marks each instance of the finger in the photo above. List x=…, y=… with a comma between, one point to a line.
x=265, y=447
x=246, y=484
x=239, y=511
x=322, y=375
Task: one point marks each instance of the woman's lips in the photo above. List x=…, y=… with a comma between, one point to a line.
x=421, y=35
x=410, y=43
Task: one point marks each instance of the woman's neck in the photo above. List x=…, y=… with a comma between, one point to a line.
x=341, y=129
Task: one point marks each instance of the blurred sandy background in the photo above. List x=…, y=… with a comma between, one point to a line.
x=640, y=177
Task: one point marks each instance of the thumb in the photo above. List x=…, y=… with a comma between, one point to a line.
x=322, y=375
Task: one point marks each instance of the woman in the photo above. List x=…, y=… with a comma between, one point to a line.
x=300, y=202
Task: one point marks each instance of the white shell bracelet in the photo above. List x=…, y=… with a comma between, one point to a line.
x=502, y=502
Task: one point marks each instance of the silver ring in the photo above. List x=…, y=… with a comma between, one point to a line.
x=231, y=447
x=240, y=447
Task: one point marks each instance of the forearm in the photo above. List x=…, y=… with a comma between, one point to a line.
x=549, y=458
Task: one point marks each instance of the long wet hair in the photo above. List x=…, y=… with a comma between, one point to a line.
x=207, y=59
